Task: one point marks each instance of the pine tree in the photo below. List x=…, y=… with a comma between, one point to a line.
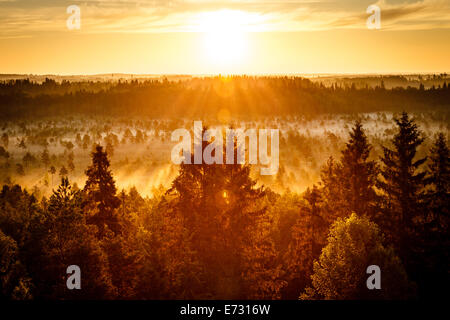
x=69, y=240
x=45, y=158
x=101, y=192
x=86, y=141
x=110, y=149
x=220, y=208
x=71, y=166
x=402, y=182
x=308, y=238
x=358, y=173
x=317, y=223
x=332, y=188
x=439, y=169
x=63, y=195
x=63, y=172
x=434, y=255
x=10, y=266
x=21, y=143
x=348, y=185
x=52, y=171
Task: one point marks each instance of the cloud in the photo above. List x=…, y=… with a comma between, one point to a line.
x=418, y=15
x=25, y=17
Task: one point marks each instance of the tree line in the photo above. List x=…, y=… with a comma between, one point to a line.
x=241, y=96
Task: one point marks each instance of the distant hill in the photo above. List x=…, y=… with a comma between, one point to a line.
x=95, y=77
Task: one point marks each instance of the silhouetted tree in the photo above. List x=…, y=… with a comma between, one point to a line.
x=439, y=179
x=218, y=206
x=402, y=182
x=71, y=166
x=101, y=192
x=70, y=241
x=63, y=172
x=21, y=143
x=28, y=159
x=331, y=188
x=45, y=158
x=110, y=149
x=86, y=141
x=52, y=171
x=357, y=173
x=308, y=238
x=21, y=220
x=433, y=254
x=13, y=281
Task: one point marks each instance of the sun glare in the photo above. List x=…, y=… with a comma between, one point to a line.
x=225, y=40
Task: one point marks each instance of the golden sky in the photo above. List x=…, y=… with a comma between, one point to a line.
x=224, y=36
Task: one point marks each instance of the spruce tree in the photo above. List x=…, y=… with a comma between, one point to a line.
x=308, y=238
x=69, y=240
x=63, y=172
x=402, y=182
x=439, y=178
x=358, y=174
x=220, y=207
x=45, y=158
x=331, y=188
x=100, y=190
x=435, y=240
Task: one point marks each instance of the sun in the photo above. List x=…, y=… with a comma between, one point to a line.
x=224, y=47
x=224, y=40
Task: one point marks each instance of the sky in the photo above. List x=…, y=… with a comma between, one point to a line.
x=224, y=36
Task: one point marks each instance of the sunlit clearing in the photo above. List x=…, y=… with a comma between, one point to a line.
x=224, y=36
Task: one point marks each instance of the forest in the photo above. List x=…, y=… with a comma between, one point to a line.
x=214, y=234
x=87, y=181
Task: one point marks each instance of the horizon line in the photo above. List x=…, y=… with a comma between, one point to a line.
x=319, y=74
